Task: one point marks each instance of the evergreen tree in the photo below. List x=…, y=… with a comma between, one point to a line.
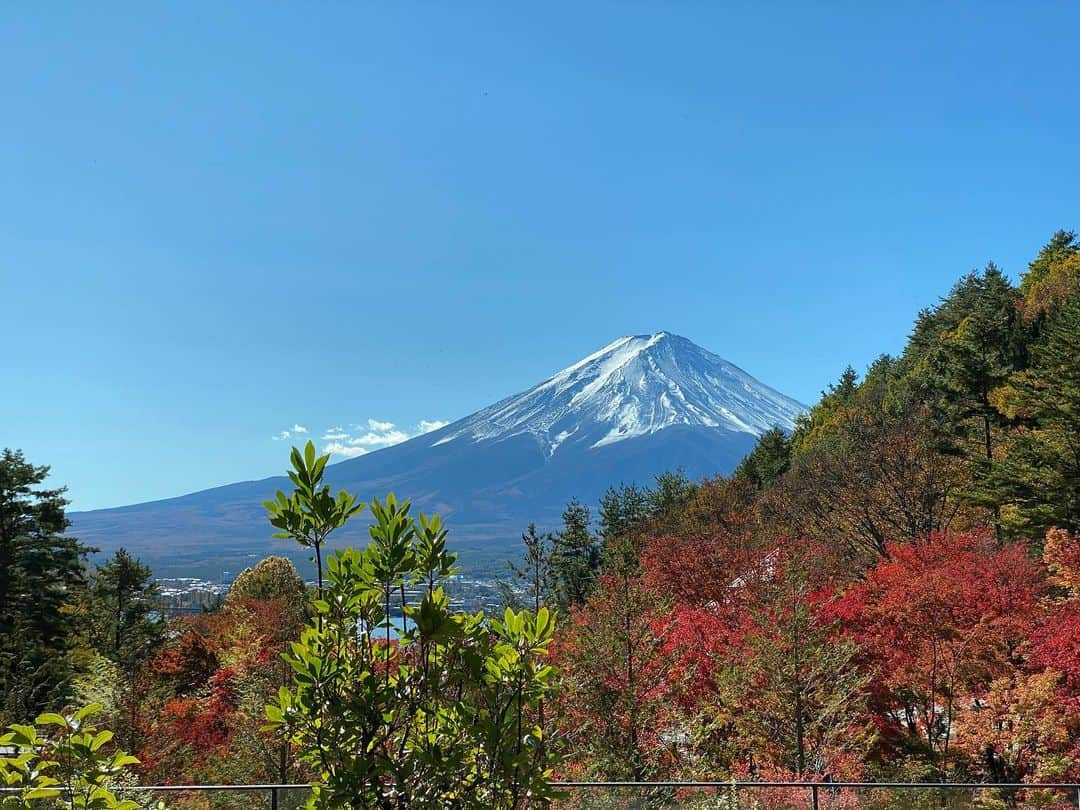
x=125, y=624
x=977, y=350
x=1039, y=479
x=769, y=460
x=41, y=575
x=811, y=427
x=672, y=491
x=576, y=557
x=623, y=511
x=535, y=574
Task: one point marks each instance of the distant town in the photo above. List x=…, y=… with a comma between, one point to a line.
x=180, y=595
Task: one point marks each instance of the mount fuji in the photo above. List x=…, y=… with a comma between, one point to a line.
x=639, y=406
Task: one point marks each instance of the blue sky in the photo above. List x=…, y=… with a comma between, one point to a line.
x=218, y=221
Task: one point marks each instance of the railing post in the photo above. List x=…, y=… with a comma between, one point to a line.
x=814, y=795
x=273, y=798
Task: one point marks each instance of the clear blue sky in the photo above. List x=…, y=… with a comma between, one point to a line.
x=218, y=220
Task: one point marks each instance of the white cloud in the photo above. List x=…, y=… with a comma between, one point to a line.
x=348, y=451
x=299, y=429
x=375, y=434
x=428, y=425
x=282, y=436
x=374, y=438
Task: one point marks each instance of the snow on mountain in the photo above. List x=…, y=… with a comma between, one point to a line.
x=637, y=407
x=635, y=386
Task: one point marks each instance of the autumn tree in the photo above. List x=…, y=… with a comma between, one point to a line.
x=876, y=477
x=1051, y=278
x=1018, y=729
x=939, y=620
x=273, y=578
x=793, y=686
x=612, y=708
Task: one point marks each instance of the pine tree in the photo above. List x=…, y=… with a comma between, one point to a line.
x=979, y=347
x=41, y=575
x=1039, y=479
x=623, y=512
x=125, y=625
x=576, y=557
x=534, y=575
x=769, y=460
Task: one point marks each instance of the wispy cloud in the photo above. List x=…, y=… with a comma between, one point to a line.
x=365, y=436
x=362, y=437
x=346, y=450
x=289, y=433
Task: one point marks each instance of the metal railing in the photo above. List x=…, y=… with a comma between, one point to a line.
x=815, y=792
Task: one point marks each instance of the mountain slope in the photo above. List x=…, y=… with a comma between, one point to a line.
x=639, y=406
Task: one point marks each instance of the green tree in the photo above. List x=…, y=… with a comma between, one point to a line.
x=575, y=557
x=443, y=716
x=1051, y=278
x=1038, y=481
x=535, y=574
x=623, y=509
x=614, y=706
x=122, y=600
x=830, y=411
x=63, y=762
x=311, y=513
x=41, y=574
x=980, y=344
x=271, y=578
x=670, y=492
x=769, y=460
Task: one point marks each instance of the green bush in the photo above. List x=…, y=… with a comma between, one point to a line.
x=400, y=701
x=61, y=762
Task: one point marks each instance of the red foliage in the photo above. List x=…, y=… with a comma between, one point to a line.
x=937, y=620
x=192, y=736
x=1056, y=645
x=699, y=570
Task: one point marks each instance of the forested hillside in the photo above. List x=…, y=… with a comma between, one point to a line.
x=891, y=591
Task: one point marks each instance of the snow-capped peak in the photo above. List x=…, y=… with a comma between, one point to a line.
x=634, y=386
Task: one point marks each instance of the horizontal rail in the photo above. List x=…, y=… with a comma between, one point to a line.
x=738, y=785
x=751, y=784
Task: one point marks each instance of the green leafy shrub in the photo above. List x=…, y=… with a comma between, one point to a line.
x=61, y=761
x=400, y=701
